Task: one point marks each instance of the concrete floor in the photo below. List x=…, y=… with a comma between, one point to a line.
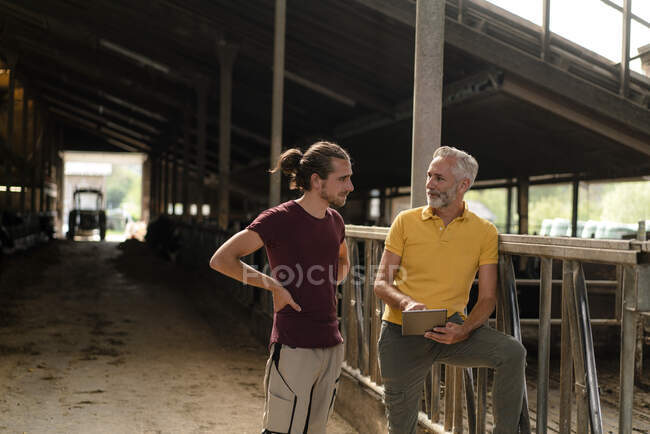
x=94, y=339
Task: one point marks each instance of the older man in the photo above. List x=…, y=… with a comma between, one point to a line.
x=431, y=257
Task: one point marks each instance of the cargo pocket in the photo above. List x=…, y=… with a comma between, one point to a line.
x=336, y=388
x=281, y=403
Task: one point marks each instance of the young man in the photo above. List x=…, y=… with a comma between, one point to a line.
x=305, y=244
x=437, y=250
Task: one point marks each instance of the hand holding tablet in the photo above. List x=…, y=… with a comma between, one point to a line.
x=418, y=322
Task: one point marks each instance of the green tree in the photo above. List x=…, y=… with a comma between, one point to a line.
x=627, y=202
x=119, y=184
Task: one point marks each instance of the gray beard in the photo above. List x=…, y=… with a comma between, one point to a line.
x=443, y=199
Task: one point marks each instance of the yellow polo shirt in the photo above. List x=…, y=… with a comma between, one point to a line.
x=439, y=263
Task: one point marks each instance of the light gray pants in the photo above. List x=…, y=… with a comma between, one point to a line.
x=405, y=360
x=301, y=386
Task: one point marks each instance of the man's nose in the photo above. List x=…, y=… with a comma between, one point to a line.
x=350, y=186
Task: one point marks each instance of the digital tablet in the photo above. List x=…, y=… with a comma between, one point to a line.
x=418, y=322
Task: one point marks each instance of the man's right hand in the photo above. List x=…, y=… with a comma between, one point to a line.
x=410, y=304
x=281, y=298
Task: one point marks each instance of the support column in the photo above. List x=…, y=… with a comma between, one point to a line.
x=625, y=49
x=427, y=93
x=10, y=135
x=522, y=204
x=227, y=55
x=201, y=109
x=35, y=159
x=574, y=208
x=186, y=161
x=153, y=188
x=174, y=168
x=43, y=155
x=546, y=33
x=145, y=198
x=278, y=96
x=23, y=172
x=509, y=208
x=164, y=166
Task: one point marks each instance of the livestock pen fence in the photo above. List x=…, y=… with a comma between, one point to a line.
x=361, y=322
x=449, y=390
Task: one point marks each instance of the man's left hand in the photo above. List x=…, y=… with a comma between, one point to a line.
x=449, y=334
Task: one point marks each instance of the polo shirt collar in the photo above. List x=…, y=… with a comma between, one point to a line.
x=427, y=213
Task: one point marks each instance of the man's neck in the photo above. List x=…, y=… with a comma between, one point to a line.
x=450, y=212
x=313, y=204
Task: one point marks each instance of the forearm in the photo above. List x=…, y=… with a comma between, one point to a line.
x=244, y=273
x=392, y=296
x=480, y=313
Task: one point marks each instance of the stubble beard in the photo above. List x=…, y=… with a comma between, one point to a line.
x=334, y=200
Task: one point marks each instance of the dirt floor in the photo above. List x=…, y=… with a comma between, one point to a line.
x=94, y=339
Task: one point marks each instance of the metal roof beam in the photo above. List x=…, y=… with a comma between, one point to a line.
x=548, y=77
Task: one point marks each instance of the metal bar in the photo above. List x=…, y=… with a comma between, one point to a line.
x=625, y=50
x=566, y=359
x=227, y=55
x=574, y=207
x=580, y=386
x=511, y=319
x=636, y=18
x=544, y=343
x=546, y=33
x=427, y=92
x=277, y=99
x=461, y=13
x=587, y=346
x=628, y=342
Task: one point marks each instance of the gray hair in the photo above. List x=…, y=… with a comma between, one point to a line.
x=466, y=166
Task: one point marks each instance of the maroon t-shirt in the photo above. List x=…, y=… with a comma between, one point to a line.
x=303, y=254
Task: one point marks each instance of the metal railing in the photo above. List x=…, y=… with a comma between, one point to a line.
x=361, y=314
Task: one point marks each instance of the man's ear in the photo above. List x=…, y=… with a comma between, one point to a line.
x=464, y=185
x=315, y=181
